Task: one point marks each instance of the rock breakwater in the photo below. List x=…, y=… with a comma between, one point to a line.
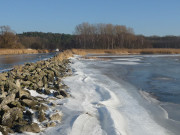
x=26, y=94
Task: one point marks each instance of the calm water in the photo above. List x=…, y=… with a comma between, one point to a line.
x=8, y=61
x=159, y=75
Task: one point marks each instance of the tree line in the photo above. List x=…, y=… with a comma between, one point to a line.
x=164, y=42
x=87, y=36
x=108, y=36
x=40, y=40
x=34, y=40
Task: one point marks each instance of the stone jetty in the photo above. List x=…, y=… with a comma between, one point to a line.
x=26, y=94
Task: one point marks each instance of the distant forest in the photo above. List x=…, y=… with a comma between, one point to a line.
x=86, y=36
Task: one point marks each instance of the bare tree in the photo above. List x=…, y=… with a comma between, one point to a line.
x=8, y=38
x=107, y=36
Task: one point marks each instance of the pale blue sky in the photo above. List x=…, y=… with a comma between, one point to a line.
x=148, y=17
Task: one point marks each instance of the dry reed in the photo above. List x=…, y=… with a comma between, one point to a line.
x=64, y=55
x=21, y=51
x=84, y=52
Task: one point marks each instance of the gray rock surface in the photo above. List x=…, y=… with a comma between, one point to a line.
x=16, y=100
x=56, y=117
x=34, y=127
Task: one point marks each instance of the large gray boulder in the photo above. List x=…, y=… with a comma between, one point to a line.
x=56, y=117
x=25, y=83
x=43, y=107
x=22, y=93
x=10, y=87
x=3, y=77
x=40, y=84
x=16, y=104
x=41, y=116
x=5, y=130
x=47, y=92
x=34, y=127
x=15, y=100
x=11, y=116
x=30, y=103
x=8, y=99
x=51, y=124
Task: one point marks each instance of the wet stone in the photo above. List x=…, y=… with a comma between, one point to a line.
x=34, y=127
x=8, y=99
x=12, y=115
x=56, y=117
x=47, y=92
x=41, y=116
x=5, y=130
x=30, y=103
x=51, y=124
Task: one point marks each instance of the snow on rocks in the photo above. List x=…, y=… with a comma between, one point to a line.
x=26, y=93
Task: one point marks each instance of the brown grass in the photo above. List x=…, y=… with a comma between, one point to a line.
x=21, y=51
x=84, y=52
x=95, y=58
x=64, y=55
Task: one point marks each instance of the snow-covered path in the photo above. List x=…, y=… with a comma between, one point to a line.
x=101, y=106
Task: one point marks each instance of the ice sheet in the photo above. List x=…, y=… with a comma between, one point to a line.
x=125, y=62
x=100, y=106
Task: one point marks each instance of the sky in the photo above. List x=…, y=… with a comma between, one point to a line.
x=147, y=17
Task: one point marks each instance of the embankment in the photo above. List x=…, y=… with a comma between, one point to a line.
x=22, y=51
x=95, y=51
x=28, y=92
x=126, y=51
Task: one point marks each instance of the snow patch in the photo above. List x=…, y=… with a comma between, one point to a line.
x=89, y=111
x=35, y=94
x=126, y=115
x=86, y=124
x=125, y=63
x=129, y=59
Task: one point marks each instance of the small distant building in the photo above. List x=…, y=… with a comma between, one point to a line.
x=57, y=50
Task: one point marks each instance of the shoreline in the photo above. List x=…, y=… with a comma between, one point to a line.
x=101, y=105
x=22, y=51
x=84, y=52
x=38, y=102
x=28, y=93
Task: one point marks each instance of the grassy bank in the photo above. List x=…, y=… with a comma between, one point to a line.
x=69, y=53
x=64, y=55
x=21, y=51
x=125, y=51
